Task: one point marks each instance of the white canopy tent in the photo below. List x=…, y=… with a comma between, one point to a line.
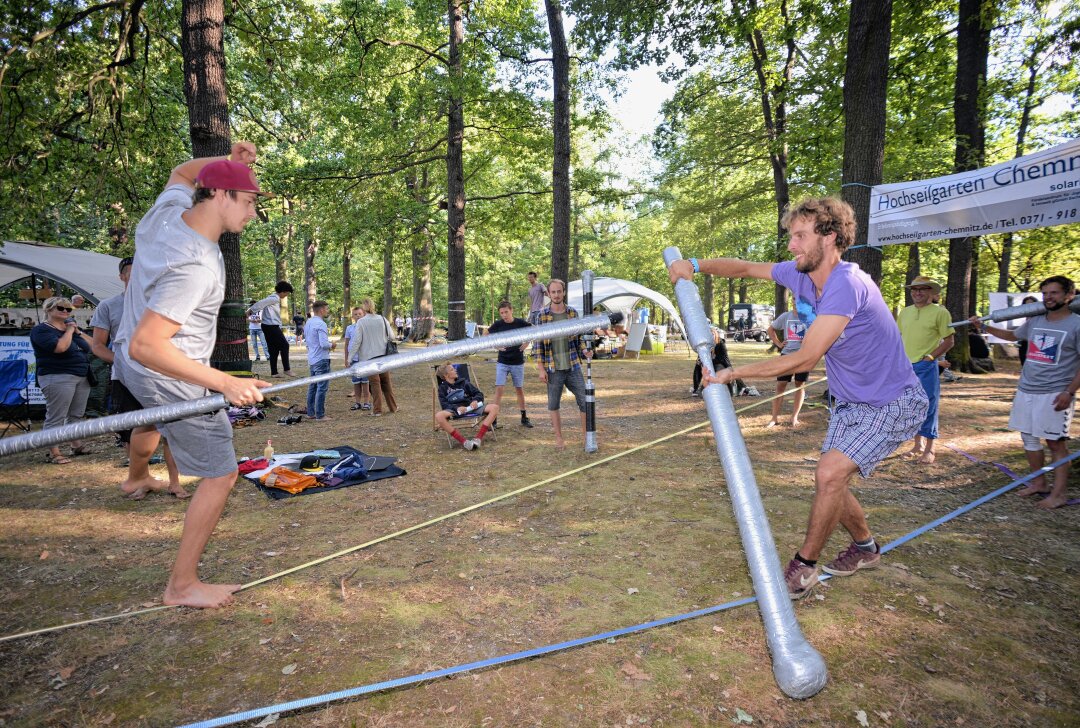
x=94, y=275
x=615, y=294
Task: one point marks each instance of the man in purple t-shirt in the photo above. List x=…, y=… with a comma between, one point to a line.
x=880, y=403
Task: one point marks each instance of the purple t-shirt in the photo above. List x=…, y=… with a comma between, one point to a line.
x=867, y=363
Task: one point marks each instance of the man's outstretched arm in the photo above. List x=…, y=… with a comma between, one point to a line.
x=723, y=267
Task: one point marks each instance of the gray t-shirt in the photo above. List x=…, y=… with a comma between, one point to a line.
x=107, y=316
x=179, y=275
x=1053, y=353
x=269, y=310
x=791, y=331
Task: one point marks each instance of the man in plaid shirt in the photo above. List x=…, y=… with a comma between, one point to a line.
x=559, y=360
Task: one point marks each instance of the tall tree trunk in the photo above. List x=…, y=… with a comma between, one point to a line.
x=455, y=176
x=972, y=53
x=914, y=264
x=743, y=288
x=388, y=279
x=423, y=310
x=707, y=295
x=202, y=43
x=560, y=171
x=730, y=300
x=118, y=231
x=1021, y=140
x=772, y=88
x=865, y=85
x=310, y=276
x=281, y=255
x=346, y=279
x=575, y=249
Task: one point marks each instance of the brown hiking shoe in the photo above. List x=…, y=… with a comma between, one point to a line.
x=800, y=578
x=850, y=560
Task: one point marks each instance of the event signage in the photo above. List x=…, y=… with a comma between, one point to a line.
x=1038, y=190
x=19, y=347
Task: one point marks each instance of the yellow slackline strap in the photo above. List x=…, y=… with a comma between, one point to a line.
x=417, y=527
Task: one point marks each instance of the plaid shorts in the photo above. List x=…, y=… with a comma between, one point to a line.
x=869, y=434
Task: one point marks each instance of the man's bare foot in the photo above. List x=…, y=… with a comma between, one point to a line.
x=772, y=423
x=178, y=490
x=560, y=444
x=1052, y=502
x=912, y=453
x=795, y=423
x=200, y=595
x=1033, y=489
x=138, y=489
x=927, y=458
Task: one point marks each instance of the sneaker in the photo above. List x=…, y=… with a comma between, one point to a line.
x=526, y=423
x=948, y=376
x=800, y=578
x=356, y=406
x=495, y=423
x=365, y=406
x=472, y=444
x=850, y=560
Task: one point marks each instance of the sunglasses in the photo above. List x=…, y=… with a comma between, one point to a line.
x=64, y=308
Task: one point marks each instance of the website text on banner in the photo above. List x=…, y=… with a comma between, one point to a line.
x=1041, y=189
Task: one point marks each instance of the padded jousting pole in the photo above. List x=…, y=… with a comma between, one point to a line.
x=212, y=403
x=590, y=392
x=799, y=670
x=1026, y=310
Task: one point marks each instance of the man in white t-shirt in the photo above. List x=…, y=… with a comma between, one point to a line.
x=167, y=334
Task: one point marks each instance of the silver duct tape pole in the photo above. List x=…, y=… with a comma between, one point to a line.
x=590, y=392
x=182, y=410
x=798, y=668
x=1026, y=310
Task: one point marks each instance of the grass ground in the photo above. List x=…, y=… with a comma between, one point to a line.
x=973, y=624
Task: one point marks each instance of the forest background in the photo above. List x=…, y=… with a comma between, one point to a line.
x=426, y=154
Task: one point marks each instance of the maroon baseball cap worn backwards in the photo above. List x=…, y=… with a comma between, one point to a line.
x=226, y=174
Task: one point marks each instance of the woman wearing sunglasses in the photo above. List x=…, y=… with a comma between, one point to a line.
x=63, y=359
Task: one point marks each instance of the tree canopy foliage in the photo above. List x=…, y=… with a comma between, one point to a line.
x=349, y=103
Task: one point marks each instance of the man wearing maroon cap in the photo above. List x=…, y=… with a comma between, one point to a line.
x=168, y=332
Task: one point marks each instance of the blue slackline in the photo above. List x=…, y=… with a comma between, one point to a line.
x=549, y=649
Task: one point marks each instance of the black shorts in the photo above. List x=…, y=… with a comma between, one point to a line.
x=123, y=401
x=799, y=377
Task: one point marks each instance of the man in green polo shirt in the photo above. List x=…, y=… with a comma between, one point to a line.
x=924, y=328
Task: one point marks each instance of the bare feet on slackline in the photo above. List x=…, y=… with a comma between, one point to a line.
x=200, y=595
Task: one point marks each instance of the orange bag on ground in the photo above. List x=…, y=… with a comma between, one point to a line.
x=291, y=482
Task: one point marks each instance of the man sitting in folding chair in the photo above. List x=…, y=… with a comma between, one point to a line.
x=460, y=399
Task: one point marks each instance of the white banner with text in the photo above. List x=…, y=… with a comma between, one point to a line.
x=1037, y=190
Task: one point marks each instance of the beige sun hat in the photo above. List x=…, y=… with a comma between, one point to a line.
x=925, y=281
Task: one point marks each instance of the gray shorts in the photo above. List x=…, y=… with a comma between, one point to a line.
x=516, y=373
x=572, y=379
x=202, y=445
x=869, y=434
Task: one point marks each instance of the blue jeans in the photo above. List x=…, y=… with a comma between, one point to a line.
x=927, y=372
x=316, y=393
x=256, y=339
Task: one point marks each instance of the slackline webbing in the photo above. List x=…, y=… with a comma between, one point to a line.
x=549, y=649
x=404, y=531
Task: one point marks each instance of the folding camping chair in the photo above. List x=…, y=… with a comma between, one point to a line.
x=14, y=401
x=472, y=418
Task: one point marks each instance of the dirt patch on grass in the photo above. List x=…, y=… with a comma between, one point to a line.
x=971, y=624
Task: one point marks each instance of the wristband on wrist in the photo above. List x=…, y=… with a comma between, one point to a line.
x=694, y=262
